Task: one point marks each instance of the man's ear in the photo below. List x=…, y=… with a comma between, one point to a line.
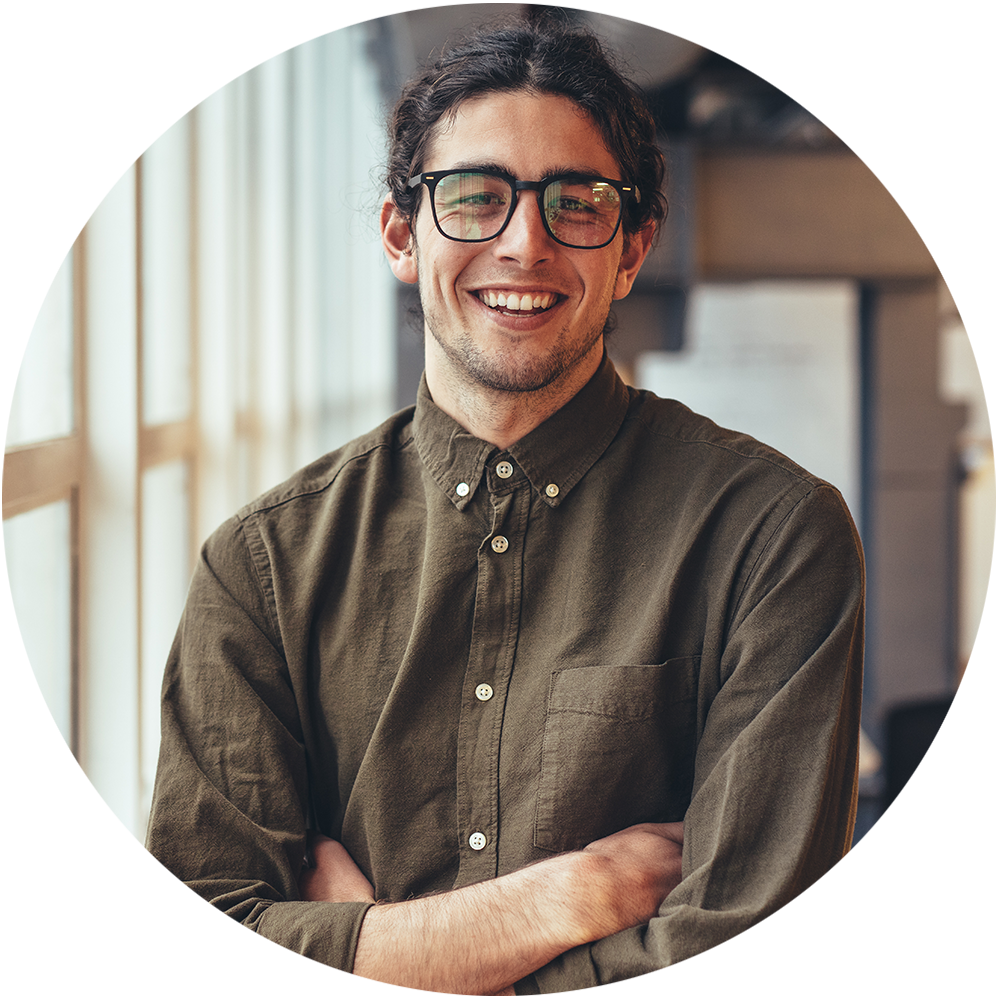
x=633, y=254
x=397, y=241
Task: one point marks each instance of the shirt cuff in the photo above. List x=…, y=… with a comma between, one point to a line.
x=324, y=932
x=572, y=970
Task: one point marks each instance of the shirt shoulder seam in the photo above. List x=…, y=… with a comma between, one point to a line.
x=788, y=467
x=262, y=575
x=791, y=503
x=262, y=504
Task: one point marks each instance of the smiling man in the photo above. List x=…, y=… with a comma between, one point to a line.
x=515, y=321
x=563, y=675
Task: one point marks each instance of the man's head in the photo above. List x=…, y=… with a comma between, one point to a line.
x=520, y=310
x=546, y=57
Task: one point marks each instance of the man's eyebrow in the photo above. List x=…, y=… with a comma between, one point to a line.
x=581, y=170
x=577, y=169
x=486, y=167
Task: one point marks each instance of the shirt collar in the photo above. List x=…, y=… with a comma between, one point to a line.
x=555, y=456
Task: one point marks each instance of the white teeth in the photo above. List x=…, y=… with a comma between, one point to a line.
x=516, y=302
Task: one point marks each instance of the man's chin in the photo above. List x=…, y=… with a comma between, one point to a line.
x=515, y=372
x=514, y=379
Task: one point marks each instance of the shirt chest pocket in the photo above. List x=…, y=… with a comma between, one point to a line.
x=618, y=749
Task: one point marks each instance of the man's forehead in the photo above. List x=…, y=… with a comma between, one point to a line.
x=468, y=122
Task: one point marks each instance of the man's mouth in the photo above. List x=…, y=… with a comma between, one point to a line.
x=519, y=302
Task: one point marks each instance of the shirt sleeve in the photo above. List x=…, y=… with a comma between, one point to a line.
x=230, y=802
x=775, y=787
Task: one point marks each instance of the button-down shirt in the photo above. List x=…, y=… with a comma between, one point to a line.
x=458, y=661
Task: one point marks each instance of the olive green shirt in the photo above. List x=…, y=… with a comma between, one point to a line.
x=458, y=661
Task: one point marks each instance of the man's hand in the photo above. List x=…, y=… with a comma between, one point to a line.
x=645, y=866
x=482, y=938
x=333, y=877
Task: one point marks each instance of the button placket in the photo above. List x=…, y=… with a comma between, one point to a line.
x=495, y=623
x=503, y=475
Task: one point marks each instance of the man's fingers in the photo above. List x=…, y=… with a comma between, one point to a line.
x=331, y=875
x=673, y=832
x=669, y=831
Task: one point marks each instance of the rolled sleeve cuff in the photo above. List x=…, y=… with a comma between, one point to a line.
x=573, y=970
x=324, y=932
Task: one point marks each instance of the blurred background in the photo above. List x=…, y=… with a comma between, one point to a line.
x=227, y=315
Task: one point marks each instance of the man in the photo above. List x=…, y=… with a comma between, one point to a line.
x=494, y=653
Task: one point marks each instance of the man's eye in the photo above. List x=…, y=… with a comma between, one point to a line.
x=575, y=211
x=566, y=204
x=482, y=199
x=474, y=203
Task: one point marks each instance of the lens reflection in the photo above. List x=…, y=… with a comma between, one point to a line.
x=579, y=212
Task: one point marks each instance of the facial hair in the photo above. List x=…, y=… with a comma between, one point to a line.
x=512, y=369
x=505, y=370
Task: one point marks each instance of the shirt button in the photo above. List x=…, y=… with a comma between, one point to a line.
x=552, y=490
x=499, y=544
x=462, y=489
x=477, y=841
x=484, y=692
x=505, y=470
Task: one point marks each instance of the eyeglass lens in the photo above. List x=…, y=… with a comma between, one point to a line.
x=475, y=206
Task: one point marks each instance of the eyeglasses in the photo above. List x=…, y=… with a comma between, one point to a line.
x=473, y=206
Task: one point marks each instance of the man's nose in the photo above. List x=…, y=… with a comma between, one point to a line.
x=525, y=239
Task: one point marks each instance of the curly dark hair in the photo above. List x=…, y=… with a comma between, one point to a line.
x=544, y=55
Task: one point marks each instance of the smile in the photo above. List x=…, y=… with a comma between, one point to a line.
x=517, y=301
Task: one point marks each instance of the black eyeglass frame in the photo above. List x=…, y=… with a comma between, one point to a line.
x=433, y=177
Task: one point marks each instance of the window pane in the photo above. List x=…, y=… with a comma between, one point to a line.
x=109, y=643
x=43, y=397
x=165, y=278
x=165, y=572
x=271, y=270
x=13, y=337
x=38, y=562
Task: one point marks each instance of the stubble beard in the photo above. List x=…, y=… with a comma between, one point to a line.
x=511, y=370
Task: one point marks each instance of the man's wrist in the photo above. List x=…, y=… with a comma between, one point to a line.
x=533, y=915
x=591, y=897
x=562, y=895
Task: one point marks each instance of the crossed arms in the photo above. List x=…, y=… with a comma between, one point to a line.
x=776, y=704
x=482, y=938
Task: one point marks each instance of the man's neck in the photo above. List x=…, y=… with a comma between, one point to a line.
x=499, y=417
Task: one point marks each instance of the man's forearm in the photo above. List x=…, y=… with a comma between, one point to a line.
x=481, y=938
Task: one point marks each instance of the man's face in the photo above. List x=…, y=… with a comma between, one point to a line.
x=529, y=136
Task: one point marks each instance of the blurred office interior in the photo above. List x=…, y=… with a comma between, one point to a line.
x=227, y=315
